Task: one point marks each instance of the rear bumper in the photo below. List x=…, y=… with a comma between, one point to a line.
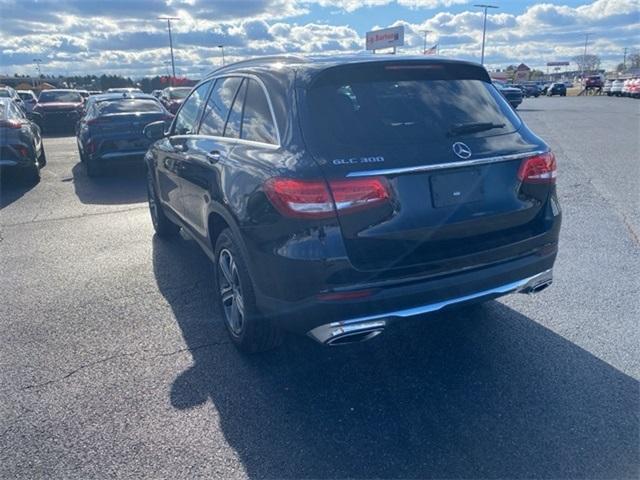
x=322, y=319
x=121, y=156
x=371, y=325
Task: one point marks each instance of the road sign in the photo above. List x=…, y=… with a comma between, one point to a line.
x=557, y=64
x=385, y=38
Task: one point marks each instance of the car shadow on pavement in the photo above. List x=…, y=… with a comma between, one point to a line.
x=475, y=393
x=119, y=184
x=12, y=187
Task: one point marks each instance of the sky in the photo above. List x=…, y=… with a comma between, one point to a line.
x=125, y=37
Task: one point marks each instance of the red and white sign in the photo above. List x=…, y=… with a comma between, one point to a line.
x=386, y=38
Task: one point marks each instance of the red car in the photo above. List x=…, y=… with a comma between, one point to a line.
x=172, y=97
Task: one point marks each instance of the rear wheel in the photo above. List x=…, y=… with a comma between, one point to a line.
x=42, y=159
x=164, y=227
x=31, y=174
x=93, y=169
x=248, y=330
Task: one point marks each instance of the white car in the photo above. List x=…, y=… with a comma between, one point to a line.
x=616, y=87
x=29, y=99
x=625, y=88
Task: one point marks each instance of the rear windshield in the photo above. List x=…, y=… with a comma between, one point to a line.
x=69, y=97
x=409, y=107
x=129, y=106
x=179, y=93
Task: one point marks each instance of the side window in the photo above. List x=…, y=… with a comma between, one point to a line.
x=186, y=121
x=234, y=122
x=257, y=123
x=16, y=112
x=218, y=106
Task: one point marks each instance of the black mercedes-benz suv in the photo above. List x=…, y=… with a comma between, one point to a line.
x=338, y=195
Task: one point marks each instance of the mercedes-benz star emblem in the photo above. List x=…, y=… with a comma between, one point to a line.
x=461, y=150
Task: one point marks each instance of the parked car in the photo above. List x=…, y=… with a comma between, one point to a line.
x=607, y=87
x=58, y=109
x=634, y=88
x=557, y=89
x=307, y=183
x=594, y=81
x=625, y=92
x=513, y=95
x=8, y=92
x=21, y=146
x=172, y=97
x=616, y=87
x=112, y=129
x=531, y=90
x=124, y=90
x=29, y=100
x=545, y=88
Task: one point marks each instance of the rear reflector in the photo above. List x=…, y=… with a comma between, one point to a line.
x=312, y=198
x=538, y=169
x=337, y=296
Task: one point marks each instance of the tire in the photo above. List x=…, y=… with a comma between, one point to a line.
x=93, y=169
x=42, y=159
x=31, y=174
x=163, y=227
x=249, y=330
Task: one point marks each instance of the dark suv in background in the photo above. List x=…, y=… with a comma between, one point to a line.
x=338, y=195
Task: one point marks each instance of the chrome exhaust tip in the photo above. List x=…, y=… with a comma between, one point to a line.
x=538, y=283
x=342, y=333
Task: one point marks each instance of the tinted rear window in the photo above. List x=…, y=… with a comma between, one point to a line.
x=70, y=97
x=129, y=106
x=179, y=93
x=391, y=106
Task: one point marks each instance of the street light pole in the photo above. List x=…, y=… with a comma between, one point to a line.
x=221, y=47
x=424, y=49
x=173, y=63
x=584, y=56
x=484, y=28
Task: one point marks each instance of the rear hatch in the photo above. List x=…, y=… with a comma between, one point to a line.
x=445, y=145
x=120, y=124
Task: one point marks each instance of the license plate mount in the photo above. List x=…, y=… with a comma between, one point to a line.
x=457, y=188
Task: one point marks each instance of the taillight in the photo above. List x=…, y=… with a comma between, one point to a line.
x=22, y=150
x=10, y=124
x=317, y=199
x=538, y=169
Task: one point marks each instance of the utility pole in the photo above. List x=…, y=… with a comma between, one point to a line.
x=424, y=49
x=221, y=47
x=584, y=56
x=173, y=63
x=624, y=61
x=484, y=28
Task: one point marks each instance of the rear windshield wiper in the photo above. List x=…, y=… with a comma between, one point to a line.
x=473, y=127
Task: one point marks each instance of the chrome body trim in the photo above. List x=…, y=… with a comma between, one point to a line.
x=444, y=166
x=132, y=153
x=330, y=332
x=8, y=163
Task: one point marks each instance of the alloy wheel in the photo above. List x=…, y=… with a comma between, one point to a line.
x=230, y=291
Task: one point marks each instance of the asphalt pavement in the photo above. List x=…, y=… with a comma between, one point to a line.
x=114, y=363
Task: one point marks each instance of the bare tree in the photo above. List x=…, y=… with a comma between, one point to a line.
x=587, y=63
x=633, y=60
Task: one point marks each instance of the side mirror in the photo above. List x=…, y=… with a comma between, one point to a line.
x=34, y=116
x=154, y=131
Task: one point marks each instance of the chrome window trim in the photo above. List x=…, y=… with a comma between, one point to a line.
x=271, y=110
x=444, y=166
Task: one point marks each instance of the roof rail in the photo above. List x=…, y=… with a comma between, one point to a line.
x=261, y=61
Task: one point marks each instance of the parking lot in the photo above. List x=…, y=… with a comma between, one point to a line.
x=114, y=365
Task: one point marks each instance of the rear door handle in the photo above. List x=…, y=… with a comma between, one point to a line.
x=213, y=157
